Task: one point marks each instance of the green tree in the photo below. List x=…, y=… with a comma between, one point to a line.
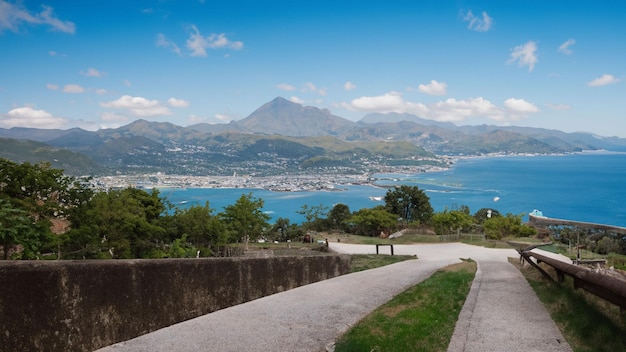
x=338, y=216
x=409, y=203
x=499, y=227
x=200, y=227
x=313, y=215
x=447, y=222
x=484, y=214
x=40, y=193
x=17, y=229
x=116, y=224
x=372, y=221
x=283, y=230
x=245, y=219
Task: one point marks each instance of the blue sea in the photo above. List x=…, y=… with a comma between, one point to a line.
x=584, y=187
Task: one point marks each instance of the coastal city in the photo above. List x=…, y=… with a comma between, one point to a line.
x=290, y=182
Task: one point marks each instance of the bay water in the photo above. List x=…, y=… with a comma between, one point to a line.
x=588, y=186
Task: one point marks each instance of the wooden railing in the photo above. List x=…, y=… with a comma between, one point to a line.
x=604, y=286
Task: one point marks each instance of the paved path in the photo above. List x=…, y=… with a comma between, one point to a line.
x=501, y=312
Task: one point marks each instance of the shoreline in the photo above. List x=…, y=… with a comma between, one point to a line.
x=297, y=182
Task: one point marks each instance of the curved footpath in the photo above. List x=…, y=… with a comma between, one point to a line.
x=501, y=311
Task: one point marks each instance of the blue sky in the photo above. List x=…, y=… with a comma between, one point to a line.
x=103, y=64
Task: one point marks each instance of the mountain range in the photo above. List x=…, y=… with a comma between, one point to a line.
x=279, y=137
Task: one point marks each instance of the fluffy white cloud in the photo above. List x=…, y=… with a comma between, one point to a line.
x=525, y=55
x=198, y=43
x=26, y=116
x=73, y=88
x=565, y=47
x=296, y=100
x=177, y=103
x=520, y=107
x=458, y=110
x=388, y=102
x=12, y=16
x=478, y=24
x=163, y=42
x=451, y=109
x=603, y=80
x=138, y=106
x=349, y=86
x=433, y=88
x=92, y=72
x=286, y=87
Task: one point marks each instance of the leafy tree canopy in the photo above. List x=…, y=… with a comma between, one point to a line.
x=409, y=203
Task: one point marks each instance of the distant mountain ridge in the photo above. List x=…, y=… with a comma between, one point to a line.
x=284, y=133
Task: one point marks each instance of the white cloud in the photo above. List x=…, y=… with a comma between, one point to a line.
x=177, y=103
x=349, y=86
x=558, y=106
x=388, y=102
x=52, y=86
x=54, y=53
x=12, y=16
x=163, y=42
x=520, y=106
x=286, y=87
x=92, y=72
x=565, y=47
x=310, y=87
x=433, y=88
x=73, y=88
x=459, y=110
x=603, y=80
x=198, y=43
x=296, y=100
x=525, y=55
x=451, y=109
x=138, y=106
x=478, y=24
x=224, y=117
x=100, y=91
x=26, y=116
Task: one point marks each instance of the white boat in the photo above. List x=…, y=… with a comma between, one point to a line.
x=376, y=199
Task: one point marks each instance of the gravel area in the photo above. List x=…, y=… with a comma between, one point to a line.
x=501, y=312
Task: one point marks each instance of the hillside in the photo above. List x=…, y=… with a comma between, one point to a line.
x=20, y=151
x=282, y=136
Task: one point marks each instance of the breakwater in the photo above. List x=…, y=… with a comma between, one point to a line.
x=85, y=305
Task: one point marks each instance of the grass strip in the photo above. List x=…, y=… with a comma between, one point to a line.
x=362, y=262
x=588, y=323
x=420, y=319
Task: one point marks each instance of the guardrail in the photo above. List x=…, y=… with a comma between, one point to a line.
x=606, y=287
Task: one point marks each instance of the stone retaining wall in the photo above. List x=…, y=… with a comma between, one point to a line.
x=85, y=305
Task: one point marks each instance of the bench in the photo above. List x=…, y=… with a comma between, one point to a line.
x=390, y=245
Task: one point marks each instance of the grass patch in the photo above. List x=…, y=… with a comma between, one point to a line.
x=362, y=262
x=420, y=319
x=587, y=322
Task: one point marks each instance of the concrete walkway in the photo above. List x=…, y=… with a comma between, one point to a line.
x=501, y=312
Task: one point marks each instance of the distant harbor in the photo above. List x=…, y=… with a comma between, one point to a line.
x=283, y=183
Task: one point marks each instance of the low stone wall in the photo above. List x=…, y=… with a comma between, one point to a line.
x=85, y=305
